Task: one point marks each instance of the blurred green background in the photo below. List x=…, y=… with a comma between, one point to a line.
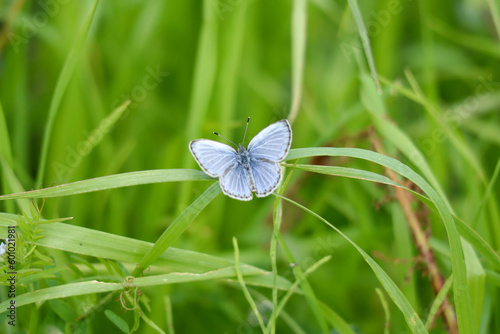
x=193, y=67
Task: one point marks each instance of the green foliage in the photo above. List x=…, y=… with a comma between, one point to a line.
x=387, y=219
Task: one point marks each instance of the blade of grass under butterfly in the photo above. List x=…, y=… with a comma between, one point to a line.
x=80, y=240
x=61, y=85
x=112, y=182
x=460, y=288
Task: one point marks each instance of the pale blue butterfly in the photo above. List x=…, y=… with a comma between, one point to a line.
x=247, y=170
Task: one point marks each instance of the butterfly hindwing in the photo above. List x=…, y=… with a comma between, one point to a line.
x=235, y=182
x=272, y=143
x=266, y=176
x=213, y=157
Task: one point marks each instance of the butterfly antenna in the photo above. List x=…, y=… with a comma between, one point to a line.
x=244, y=136
x=215, y=133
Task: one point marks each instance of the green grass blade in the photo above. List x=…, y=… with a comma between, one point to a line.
x=436, y=304
x=460, y=287
x=277, y=217
x=493, y=277
x=5, y=146
x=374, y=103
x=294, y=287
x=98, y=133
x=14, y=183
x=472, y=41
x=336, y=321
x=478, y=242
x=309, y=294
x=486, y=194
x=247, y=294
x=495, y=16
x=357, y=174
x=363, y=35
x=387, y=311
x=299, y=32
x=178, y=226
x=435, y=112
x=113, y=182
x=6, y=153
x=476, y=278
x=412, y=318
x=62, y=84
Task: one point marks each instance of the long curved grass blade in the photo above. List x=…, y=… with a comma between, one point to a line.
x=460, y=287
x=374, y=103
x=412, y=318
x=62, y=84
x=358, y=174
x=114, y=181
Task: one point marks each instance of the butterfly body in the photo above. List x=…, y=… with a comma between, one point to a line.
x=246, y=170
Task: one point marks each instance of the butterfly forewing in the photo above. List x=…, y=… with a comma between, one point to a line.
x=266, y=175
x=272, y=143
x=213, y=157
x=235, y=182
